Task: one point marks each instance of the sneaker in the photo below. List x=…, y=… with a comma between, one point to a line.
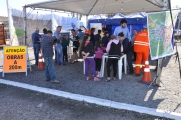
x=108, y=79
x=87, y=78
x=96, y=79
x=98, y=75
x=55, y=81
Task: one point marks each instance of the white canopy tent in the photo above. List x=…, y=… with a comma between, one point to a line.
x=94, y=7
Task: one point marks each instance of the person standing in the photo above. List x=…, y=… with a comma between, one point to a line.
x=81, y=36
x=36, y=37
x=141, y=47
x=88, y=56
x=105, y=39
x=65, y=43
x=99, y=51
x=92, y=36
x=47, y=50
x=58, y=47
x=76, y=45
x=127, y=49
x=113, y=49
x=122, y=28
x=98, y=36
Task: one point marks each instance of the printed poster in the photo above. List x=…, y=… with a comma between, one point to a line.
x=160, y=32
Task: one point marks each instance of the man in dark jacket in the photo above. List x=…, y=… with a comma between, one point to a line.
x=36, y=44
x=98, y=36
x=105, y=39
x=127, y=49
x=92, y=36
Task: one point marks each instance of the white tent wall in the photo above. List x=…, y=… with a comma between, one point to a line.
x=65, y=22
x=36, y=20
x=33, y=21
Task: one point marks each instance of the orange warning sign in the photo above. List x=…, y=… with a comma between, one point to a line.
x=15, y=59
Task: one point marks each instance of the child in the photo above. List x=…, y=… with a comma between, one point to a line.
x=65, y=43
x=99, y=51
x=114, y=49
x=88, y=56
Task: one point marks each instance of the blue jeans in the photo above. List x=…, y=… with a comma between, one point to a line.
x=36, y=48
x=59, y=54
x=129, y=58
x=49, y=68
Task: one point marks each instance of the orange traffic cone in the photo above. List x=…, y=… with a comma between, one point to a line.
x=40, y=62
x=146, y=75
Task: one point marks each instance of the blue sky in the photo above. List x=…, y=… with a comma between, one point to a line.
x=15, y=4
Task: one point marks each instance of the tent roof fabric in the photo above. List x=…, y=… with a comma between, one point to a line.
x=93, y=7
x=136, y=15
x=118, y=15
x=98, y=17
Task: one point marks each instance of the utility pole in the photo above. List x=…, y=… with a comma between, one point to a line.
x=9, y=21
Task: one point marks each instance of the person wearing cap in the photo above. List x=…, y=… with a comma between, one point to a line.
x=81, y=36
x=105, y=39
x=122, y=28
x=36, y=44
x=47, y=50
x=141, y=47
x=58, y=47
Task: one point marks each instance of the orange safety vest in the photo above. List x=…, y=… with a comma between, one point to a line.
x=141, y=42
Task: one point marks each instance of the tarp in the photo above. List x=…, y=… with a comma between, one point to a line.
x=94, y=7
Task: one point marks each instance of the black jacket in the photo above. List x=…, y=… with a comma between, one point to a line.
x=105, y=41
x=88, y=49
x=127, y=47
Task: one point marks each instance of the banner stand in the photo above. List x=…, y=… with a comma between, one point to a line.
x=157, y=80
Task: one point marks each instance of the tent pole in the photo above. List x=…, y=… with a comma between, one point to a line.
x=160, y=61
x=25, y=24
x=9, y=21
x=86, y=21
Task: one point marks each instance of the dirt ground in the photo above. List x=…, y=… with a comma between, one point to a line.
x=127, y=90
x=21, y=104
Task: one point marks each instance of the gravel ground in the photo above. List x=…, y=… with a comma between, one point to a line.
x=128, y=90
x=21, y=104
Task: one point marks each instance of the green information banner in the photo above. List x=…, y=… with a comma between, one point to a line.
x=160, y=32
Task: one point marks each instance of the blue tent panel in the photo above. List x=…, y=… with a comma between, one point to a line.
x=118, y=15
x=136, y=15
x=129, y=21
